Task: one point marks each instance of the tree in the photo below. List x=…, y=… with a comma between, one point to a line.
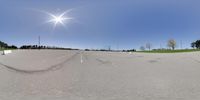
x=131, y=50
x=142, y=48
x=12, y=47
x=193, y=45
x=171, y=44
x=3, y=45
x=197, y=44
x=148, y=46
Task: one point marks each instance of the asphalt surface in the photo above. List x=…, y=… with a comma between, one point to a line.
x=80, y=75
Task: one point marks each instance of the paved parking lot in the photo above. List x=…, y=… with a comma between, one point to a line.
x=80, y=75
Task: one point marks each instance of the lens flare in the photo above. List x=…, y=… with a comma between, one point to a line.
x=62, y=19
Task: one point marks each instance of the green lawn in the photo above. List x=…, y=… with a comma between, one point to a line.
x=171, y=51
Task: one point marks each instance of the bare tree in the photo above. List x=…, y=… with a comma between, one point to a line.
x=171, y=44
x=148, y=46
x=142, y=48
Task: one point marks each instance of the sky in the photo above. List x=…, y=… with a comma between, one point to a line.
x=98, y=24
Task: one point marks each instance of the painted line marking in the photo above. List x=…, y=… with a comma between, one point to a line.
x=81, y=58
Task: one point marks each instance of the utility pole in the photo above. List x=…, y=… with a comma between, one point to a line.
x=39, y=42
x=109, y=48
x=181, y=44
x=160, y=47
x=117, y=46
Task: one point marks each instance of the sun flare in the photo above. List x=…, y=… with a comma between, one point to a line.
x=62, y=18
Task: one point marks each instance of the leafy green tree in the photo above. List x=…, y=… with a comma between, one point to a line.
x=193, y=45
x=3, y=45
x=197, y=44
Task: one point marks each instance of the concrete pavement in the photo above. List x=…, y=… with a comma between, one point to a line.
x=80, y=75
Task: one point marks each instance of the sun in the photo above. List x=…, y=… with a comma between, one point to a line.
x=62, y=18
x=57, y=19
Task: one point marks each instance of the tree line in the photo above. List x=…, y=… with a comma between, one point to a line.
x=110, y=50
x=44, y=47
x=4, y=45
x=171, y=44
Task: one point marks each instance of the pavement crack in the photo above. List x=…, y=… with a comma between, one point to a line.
x=51, y=68
x=103, y=61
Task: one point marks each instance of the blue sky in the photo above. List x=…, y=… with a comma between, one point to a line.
x=121, y=24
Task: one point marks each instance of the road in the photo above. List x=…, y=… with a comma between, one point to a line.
x=81, y=75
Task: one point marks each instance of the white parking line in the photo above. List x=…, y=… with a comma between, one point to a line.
x=81, y=58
